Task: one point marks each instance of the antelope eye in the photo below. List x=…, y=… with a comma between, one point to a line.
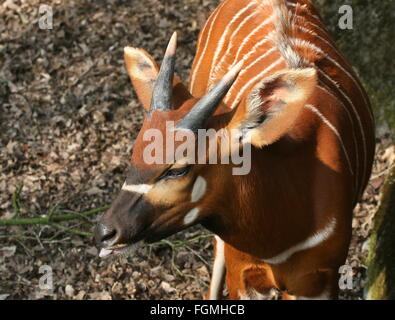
x=175, y=173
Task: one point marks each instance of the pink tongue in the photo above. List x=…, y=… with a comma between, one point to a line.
x=104, y=253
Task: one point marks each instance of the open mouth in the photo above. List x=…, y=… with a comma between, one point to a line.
x=150, y=234
x=119, y=250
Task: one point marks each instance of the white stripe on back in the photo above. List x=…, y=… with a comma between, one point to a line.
x=264, y=23
x=253, y=80
x=205, y=45
x=225, y=33
x=244, y=70
x=332, y=127
x=213, y=76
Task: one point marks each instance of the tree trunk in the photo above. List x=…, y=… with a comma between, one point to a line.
x=381, y=259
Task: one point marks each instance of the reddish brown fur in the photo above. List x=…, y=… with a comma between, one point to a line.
x=297, y=182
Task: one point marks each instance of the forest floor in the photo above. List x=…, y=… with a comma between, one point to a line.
x=68, y=119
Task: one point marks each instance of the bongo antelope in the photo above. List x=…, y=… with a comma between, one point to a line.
x=268, y=70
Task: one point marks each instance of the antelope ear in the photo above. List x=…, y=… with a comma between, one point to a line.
x=143, y=71
x=273, y=105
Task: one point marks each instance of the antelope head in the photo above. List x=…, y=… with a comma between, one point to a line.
x=160, y=198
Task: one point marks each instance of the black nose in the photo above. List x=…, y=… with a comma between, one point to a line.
x=105, y=235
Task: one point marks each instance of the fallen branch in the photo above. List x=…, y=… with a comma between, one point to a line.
x=50, y=219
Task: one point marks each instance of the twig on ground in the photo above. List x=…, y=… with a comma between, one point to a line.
x=15, y=200
x=50, y=219
x=71, y=230
x=176, y=245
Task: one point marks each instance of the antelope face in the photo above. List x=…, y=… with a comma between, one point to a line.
x=166, y=190
x=156, y=200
